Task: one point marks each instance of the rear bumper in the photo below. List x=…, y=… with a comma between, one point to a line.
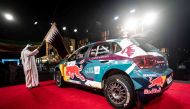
x=166, y=87
x=154, y=90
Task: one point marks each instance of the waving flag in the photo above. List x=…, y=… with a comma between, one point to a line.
x=54, y=38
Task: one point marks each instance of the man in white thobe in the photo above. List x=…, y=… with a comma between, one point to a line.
x=29, y=65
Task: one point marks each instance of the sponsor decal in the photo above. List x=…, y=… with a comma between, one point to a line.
x=72, y=63
x=169, y=80
x=152, y=91
x=62, y=67
x=150, y=75
x=96, y=69
x=130, y=68
x=92, y=70
x=89, y=70
x=73, y=81
x=93, y=84
x=100, y=57
x=108, y=57
x=159, y=81
x=72, y=71
x=128, y=50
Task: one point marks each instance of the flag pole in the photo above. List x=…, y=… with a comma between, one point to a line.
x=47, y=50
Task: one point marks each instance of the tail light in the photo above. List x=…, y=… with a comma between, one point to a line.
x=147, y=61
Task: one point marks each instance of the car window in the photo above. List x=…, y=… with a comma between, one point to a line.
x=99, y=50
x=72, y=57
x=116, y=47
x=144, y=44
x=81, y=53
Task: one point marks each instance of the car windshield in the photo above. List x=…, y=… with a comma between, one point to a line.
x=144, y=44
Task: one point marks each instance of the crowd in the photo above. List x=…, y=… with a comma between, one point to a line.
x=11, y=73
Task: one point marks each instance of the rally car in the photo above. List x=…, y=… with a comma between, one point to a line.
x=120, y=67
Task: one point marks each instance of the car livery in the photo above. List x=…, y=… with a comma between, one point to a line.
x=120, y=67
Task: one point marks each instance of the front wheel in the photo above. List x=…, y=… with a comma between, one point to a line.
x=118, y=91
x=59, y=79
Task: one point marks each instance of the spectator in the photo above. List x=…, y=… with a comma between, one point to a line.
x=13, y=73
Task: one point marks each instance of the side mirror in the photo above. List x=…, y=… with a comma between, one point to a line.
x=67, y=56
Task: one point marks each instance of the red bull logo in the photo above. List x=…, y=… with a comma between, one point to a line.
x=159, y=81
x=152, y=91
x=74, y=71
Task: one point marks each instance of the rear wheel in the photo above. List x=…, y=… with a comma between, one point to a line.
x=59, y=79
x=118, y=91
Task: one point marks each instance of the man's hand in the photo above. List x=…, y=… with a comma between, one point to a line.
x=43, y=42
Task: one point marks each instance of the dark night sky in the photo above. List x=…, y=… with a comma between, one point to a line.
x=172, y=29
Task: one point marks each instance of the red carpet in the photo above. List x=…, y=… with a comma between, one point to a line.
x=49, y=96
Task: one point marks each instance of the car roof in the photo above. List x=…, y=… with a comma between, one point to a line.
x=99, y=42
x=110, y=40
x=116, y=40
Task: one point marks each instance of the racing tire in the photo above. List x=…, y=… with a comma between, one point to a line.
x=59, y=78
x=119, y=91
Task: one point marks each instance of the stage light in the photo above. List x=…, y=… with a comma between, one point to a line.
x=150, y=18
x=64, y=28
x=132, y=11
x=8, y=16
x=35, y=23
x=131, y=24
x=75, y=30
x=116, y=17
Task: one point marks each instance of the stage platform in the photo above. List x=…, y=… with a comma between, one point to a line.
x=49, y=96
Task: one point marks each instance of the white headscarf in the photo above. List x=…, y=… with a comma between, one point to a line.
x=28, y=45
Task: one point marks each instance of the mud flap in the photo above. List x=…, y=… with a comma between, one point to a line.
x=139, y=104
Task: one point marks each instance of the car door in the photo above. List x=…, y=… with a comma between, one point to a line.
x=74, y=66
x=97, y=61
